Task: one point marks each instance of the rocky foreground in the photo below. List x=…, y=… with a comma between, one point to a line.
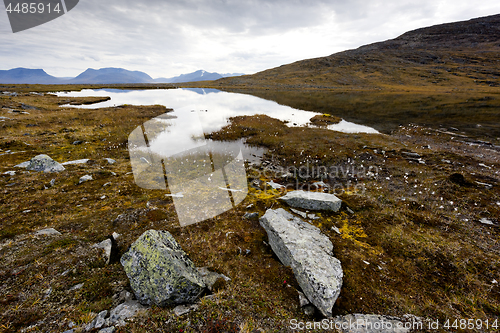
x=396, y=229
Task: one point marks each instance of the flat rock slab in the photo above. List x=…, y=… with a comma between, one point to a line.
x=160, y=272
x=47, y=232
x=308, y=252
x=43, y=163
x=312, y=200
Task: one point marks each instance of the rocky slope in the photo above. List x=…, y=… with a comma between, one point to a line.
x=460, y=54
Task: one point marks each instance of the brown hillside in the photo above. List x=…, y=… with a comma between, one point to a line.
x=460, y=55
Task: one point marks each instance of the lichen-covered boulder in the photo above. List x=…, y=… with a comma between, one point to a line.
x=312, y=200
x=160, y=272
x=308, y=252
x=44, y=163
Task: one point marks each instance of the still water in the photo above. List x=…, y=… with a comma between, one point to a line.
x=209, y=107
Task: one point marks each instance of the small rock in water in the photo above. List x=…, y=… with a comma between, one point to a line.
x=110, y=160
x=85, y=178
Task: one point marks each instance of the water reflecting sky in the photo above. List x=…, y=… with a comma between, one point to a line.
x=209, y=107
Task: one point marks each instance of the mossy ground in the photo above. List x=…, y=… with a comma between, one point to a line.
x=413, y=243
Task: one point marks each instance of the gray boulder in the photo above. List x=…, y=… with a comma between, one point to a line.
x=312, y=200
x=160, y=272
x=44, y=163
x=309, y=253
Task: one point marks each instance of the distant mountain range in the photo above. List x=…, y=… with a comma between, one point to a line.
x=101, y=76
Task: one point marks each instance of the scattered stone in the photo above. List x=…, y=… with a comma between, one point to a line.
x=111, y=329
x=411, y=154
x=321, y=184
x=123, y=296
x=312, y=200
x=77, y=142
x=275, y=186
x=213, y=280
x=47, y=232
x=488, y=186
x=160, y=272
x=42, y=163
x=334, y=228
x=313, y=217
x=23, y=165
x=26, y=211
x=52, y=182
x=10, y=173
x=486, y=221
x=250, y=206
x=110, y=160
x=309, y=310
x=251, y=216
x=361, y=323
x=298, y=212
x=103, y=197
x=107, y=184
x=183, y=309
x=303, y=301
x=82, y=161
x=76, y=287
x=116, y=235
x=107, y=246
x=309, y=253
x=85, y=178
x=98, y=321
x=123, y=312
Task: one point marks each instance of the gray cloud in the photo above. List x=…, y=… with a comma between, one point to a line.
x=167, y=38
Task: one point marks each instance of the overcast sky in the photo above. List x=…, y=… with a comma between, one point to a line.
x=165, y=38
